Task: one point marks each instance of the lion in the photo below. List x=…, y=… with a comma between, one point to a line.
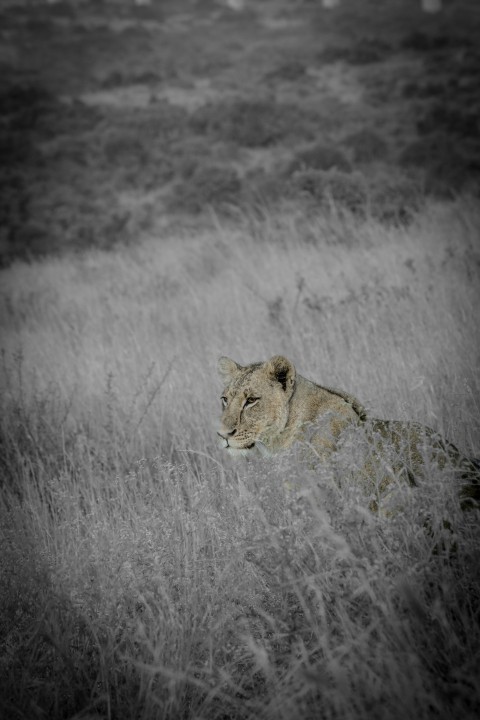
x=268, y=407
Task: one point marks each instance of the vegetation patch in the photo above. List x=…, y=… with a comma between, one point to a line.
x=145, y=575
x=289, y=71
x=363, y=52
x=396, y=199
x=266, y=188
x=422, y=41
x=424, y=90
x=254, y=123
x=319, y=157
x=69, y=129
x=444, y=116
x=206, y=186
x=447, y=169
x=333, y=187
x=426, y=150
x=366, y=146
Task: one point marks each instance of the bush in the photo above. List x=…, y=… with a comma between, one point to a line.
x=253, y=123
x=332, y=54
x=395, y=200
x=463, y=122
x=319, y=157
x=447, y=169
x=162, y=123
x=33, y=112
x=368, y=50
x=345, y=189
x=447, y=166
x=132, y=163
x=266, y=188
x=289, y=71
x=25, y=104
x=428, y=89
x=421, y=42
x=364, y=52
x=124, y=149
x=446, y=177
x=366, y=146
x=208, y=185
x=420, y=153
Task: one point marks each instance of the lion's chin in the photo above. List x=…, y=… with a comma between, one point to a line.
x=255, y=449
x=239, y=452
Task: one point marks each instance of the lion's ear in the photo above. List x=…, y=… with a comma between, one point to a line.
x=227, y=368
x=283, y=371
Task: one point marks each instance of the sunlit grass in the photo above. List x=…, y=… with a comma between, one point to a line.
x=143, y=574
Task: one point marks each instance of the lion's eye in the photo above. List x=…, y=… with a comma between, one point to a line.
x=251, y=400
x=224, y=401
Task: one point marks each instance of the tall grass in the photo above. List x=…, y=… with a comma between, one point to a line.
x=145, y=576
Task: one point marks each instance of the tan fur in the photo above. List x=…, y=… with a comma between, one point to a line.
x=286, y=405
x=269, y=407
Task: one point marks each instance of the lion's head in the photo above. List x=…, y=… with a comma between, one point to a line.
x=255, y=402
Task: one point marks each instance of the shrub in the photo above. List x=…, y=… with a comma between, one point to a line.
x=194, y=151
x=452, y=119
x=124, y=149
x=190, y=157
x=118, y=79
x=422, y=42
x=332, y=54
x=435, y=150
x=132, y=163
x=15, y=193
x=34, y=112
x=319, y=157
x=289, y=71
x=163, y=122
x=212, y=185
x=428, y=89
x=364, y=52
x=265, y=188
x=345, y=189
x=368, y=50
x=253, y=123
x=448, y=176
x=420, y=153
x=395, y=200
x=25, y=104
x=366, y=146
x=447, y=169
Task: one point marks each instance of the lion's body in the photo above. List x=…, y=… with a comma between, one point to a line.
x=269, y=407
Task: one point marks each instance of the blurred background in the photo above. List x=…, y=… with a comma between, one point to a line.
x=121, y=117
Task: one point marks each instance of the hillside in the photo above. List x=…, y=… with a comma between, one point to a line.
x=119, y=120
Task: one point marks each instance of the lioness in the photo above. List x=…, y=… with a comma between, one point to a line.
x=268, y=407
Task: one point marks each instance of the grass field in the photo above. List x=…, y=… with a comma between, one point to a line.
x=143, y=574
x=181, y=182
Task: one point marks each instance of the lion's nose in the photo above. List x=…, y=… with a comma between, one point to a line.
x=226, y=434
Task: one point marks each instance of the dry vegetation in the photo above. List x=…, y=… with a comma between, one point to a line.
x=143, y=575
x=256, y=188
